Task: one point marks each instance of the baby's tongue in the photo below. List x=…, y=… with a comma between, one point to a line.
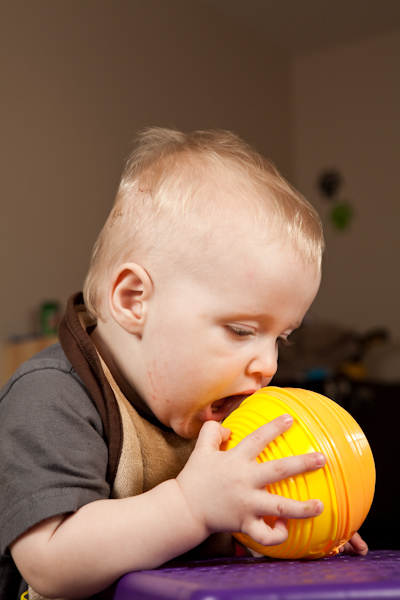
x=211, y=413
x=220, y=409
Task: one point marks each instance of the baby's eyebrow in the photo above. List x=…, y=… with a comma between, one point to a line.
x=257, y=316
x=247, y=315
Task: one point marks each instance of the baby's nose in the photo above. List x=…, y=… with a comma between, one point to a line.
x=265, y=364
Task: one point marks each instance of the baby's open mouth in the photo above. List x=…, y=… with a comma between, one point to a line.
x=220, y=409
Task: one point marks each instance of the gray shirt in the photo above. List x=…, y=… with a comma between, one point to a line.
x=53, y=453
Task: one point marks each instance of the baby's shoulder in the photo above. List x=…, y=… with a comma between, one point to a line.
x=44, y=365
x=47, y=380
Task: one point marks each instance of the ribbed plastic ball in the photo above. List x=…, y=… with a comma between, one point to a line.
x=346, y=484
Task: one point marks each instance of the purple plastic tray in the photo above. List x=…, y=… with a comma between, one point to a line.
x=373, y=577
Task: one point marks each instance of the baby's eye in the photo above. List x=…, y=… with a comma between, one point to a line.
x=239, y=331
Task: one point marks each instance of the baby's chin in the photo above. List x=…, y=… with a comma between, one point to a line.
x=189, y=431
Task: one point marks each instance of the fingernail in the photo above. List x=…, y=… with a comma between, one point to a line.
x=319, y=458
x=287, y=418
x=319, y=508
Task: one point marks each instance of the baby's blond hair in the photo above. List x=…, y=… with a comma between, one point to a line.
x=177, y=186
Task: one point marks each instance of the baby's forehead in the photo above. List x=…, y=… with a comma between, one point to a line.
x=220, y=243
x=240, y=255
x=260, y=288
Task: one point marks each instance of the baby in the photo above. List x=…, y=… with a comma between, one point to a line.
x=207, y=263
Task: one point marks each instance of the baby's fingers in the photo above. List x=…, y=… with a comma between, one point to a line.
x=355, y=546
x=276, y=470
x=287, y=508
x=283, y=508
x=265, y=535
x=253, y=444
x=211, y=436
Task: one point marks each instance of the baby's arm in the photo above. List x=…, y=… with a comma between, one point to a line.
x=83, y=553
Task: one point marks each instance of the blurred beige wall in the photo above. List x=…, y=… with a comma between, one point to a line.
x=78, y=80
x=347, y=115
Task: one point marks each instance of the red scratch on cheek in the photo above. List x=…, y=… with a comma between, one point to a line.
x=151, y=381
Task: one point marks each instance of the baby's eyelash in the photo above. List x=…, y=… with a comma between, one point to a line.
x=284, y=342
x=239, y=331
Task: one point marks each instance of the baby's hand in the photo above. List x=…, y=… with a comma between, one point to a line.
x=226, y=490
x=355, y=546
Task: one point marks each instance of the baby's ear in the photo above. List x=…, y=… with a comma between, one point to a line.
x=129, y=293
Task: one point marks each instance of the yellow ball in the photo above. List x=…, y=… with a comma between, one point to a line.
x=345, y=485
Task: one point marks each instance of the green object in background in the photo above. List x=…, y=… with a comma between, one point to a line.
x=49, y=317
x=342, y=215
